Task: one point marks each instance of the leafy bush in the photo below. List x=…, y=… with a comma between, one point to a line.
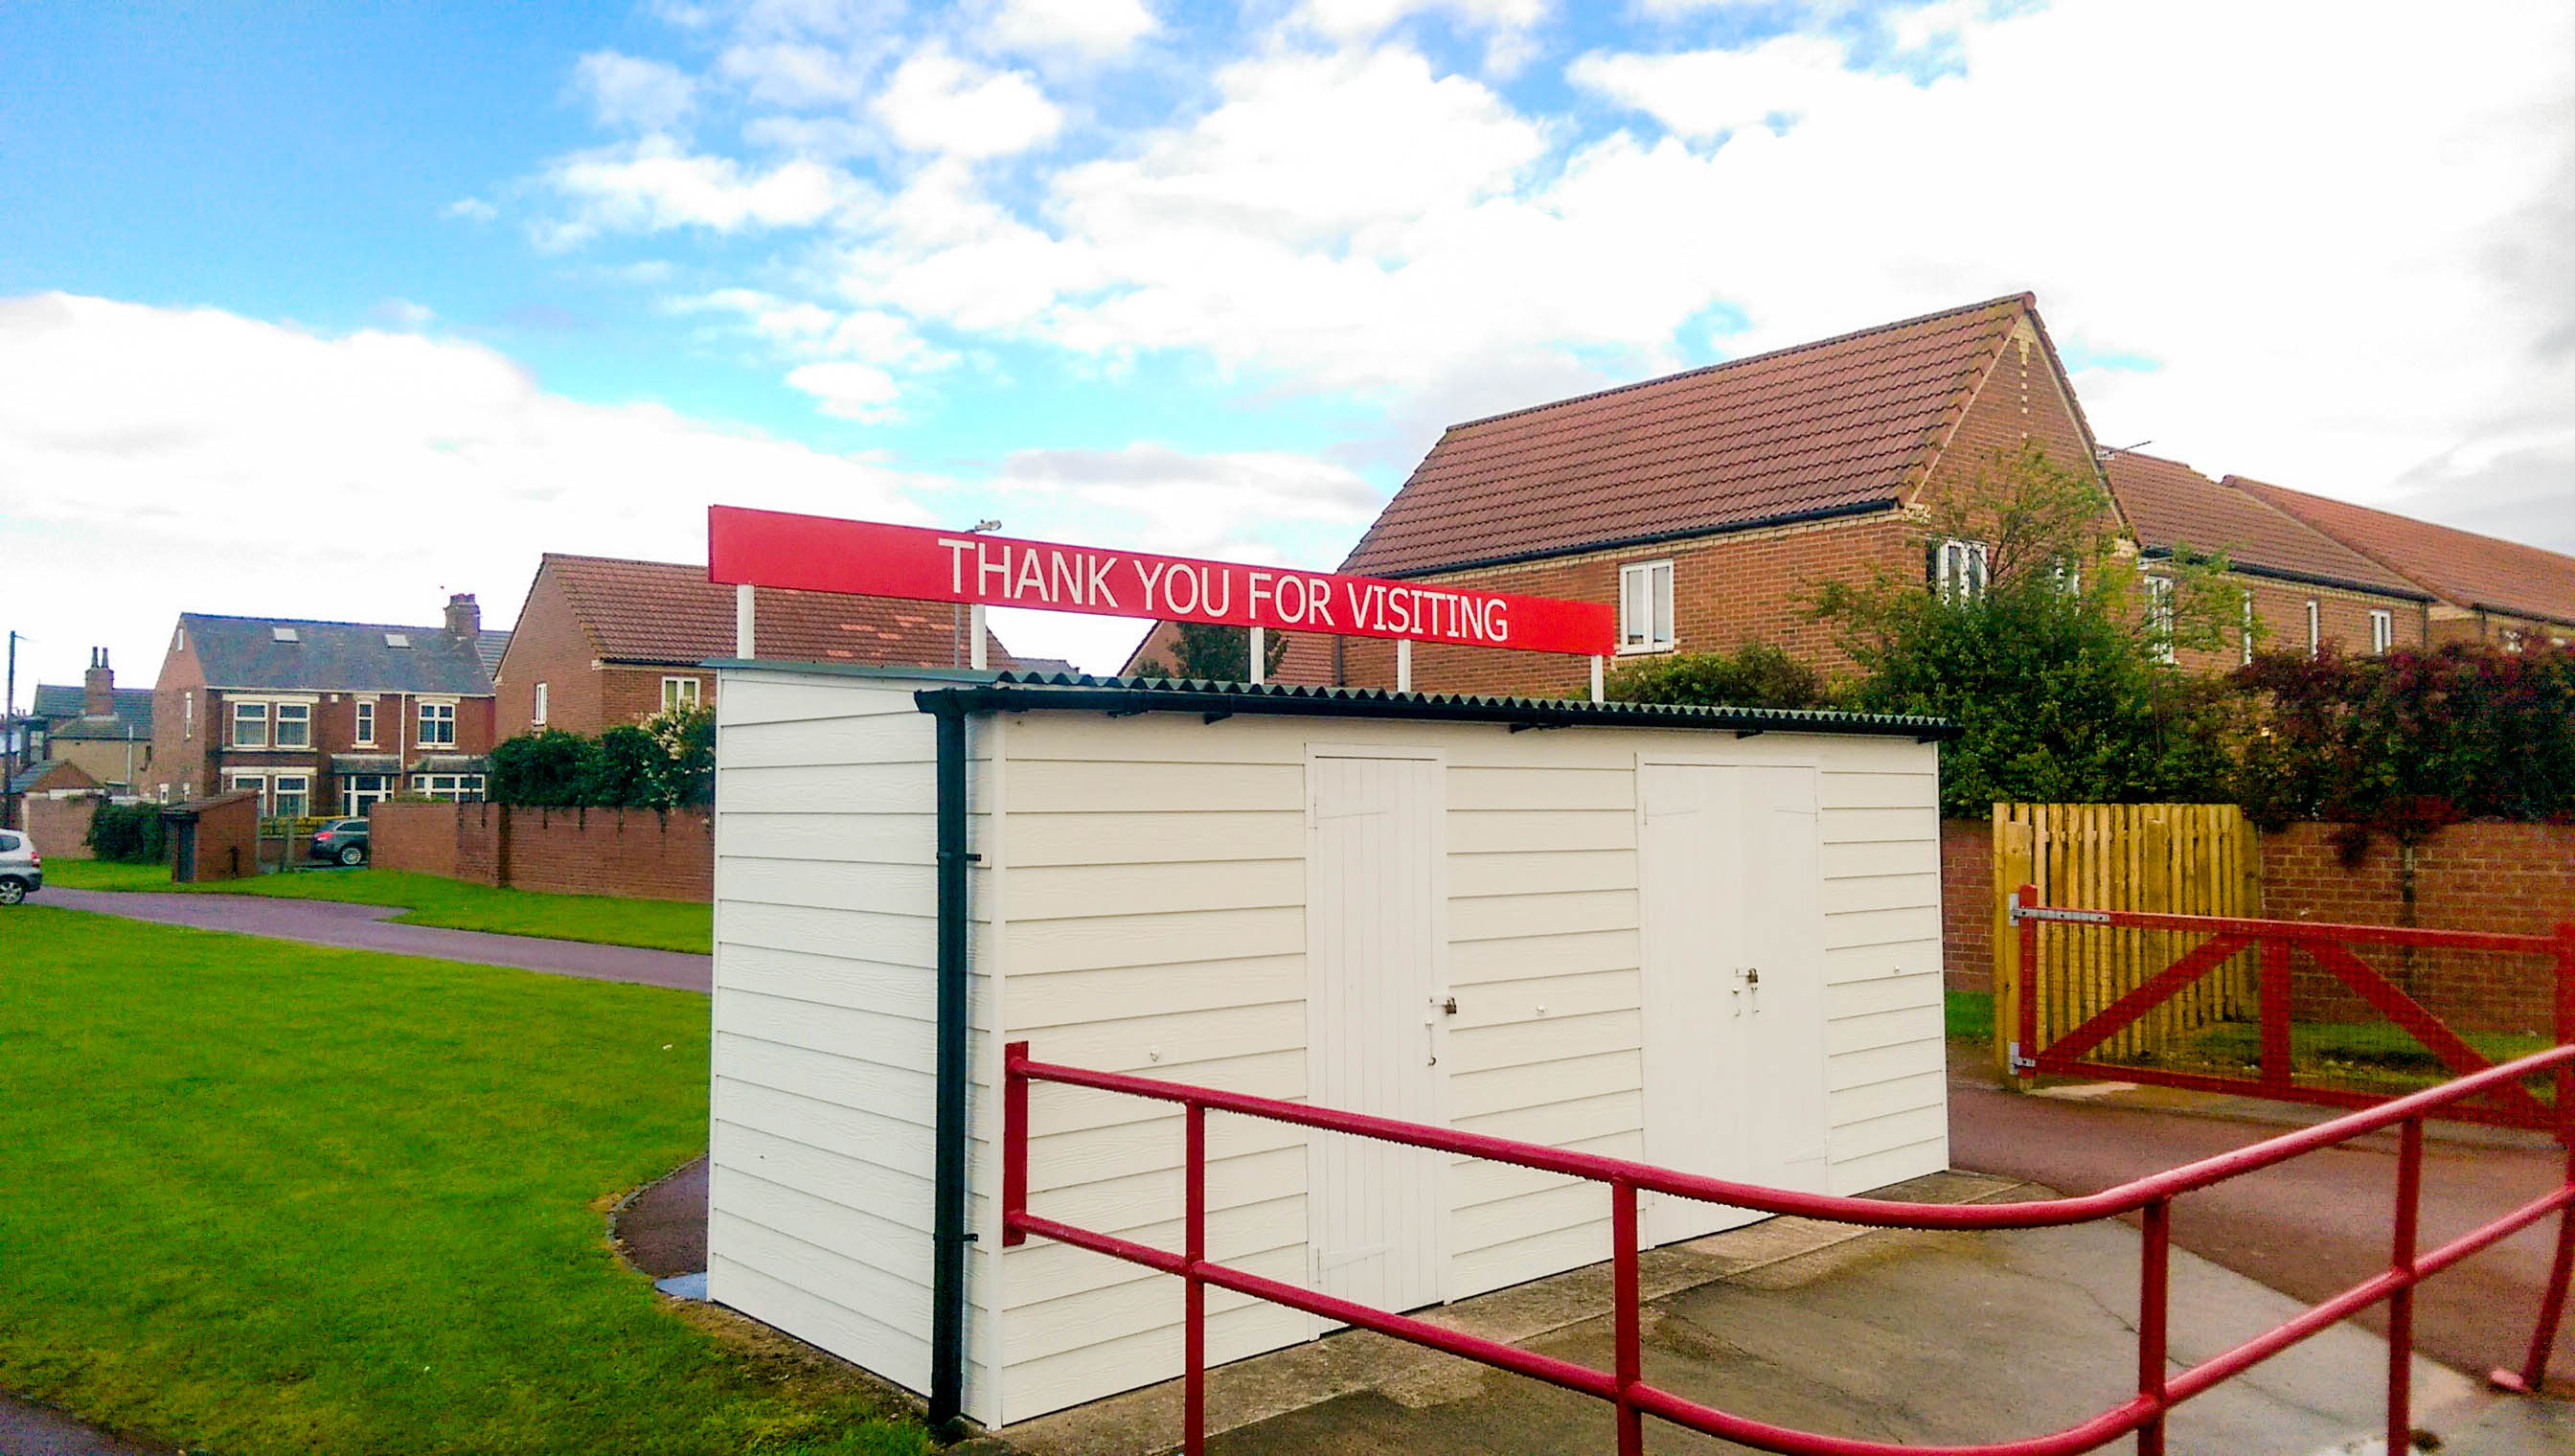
x=1755, y=675
x=129, y=833
x=553, y=768
x=686, y=771
x=622, y=770
x=2405, y=742
x=1213, y=652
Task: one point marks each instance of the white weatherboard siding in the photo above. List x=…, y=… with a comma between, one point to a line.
x=826, y=1006
x=1142, y=906
x=1155, y=882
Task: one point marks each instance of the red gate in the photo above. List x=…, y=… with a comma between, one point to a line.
x=2158, y=1388
x=2330, y=947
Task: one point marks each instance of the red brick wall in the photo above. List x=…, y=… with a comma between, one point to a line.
x=2341, y=616
x=2517, y=878
x=227, y=838
x=547, y=644
x=639, y=852
x=1967, y=905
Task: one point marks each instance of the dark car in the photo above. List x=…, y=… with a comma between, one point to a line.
x=342, y=840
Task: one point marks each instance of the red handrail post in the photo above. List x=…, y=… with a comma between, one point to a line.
x=2025, y=1050
x=2533, y=1375
x=2400, y=1305
x=1015, y=1142
x=1193, y=1288
x=1628, y=1317
x=2271, y=978
x=2154, y=1301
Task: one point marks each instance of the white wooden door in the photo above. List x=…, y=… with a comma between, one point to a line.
x=1374, y=949
x=1733, y=984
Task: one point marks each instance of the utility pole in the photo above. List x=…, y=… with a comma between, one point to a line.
x=10, y=729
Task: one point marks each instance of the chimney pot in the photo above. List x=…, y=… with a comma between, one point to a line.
x=98, y=685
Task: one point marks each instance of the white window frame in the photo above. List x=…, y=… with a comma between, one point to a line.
x=188, y=714
x=363, y=729
x=2248, y=628
x=278, y=721
x=1961, y=570
x=681, y=693
x=539, y=716
x=235, y=782
x=2382, y=628
x=352, y=805
x=438, y=714
x=277, y=791
x=249, y=711
x=450, y=786
x=2315, y=629
x=2159, y=612
x=1647, y=607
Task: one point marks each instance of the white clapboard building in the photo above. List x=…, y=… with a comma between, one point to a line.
x=1709, y=939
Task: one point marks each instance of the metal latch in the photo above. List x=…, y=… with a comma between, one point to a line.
x=1448, y=1005
x=2017, y=1061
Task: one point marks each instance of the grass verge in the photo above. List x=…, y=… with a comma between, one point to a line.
x=1969, y=1015
x=261, y=1197
x=430, y=899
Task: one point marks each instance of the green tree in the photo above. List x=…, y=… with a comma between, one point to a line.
x=685, y=772
x=1755, y=675
x=2055, y=664
x=1213, y=652
x=552, y=767
x=623, y=771
x=128, y=834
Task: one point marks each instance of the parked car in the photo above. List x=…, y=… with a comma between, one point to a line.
x=342, y=840
x=22, y=870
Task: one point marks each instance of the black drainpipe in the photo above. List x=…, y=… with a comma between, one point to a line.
x=950, y=1234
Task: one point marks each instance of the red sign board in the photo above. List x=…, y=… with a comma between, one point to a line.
x=870, y=559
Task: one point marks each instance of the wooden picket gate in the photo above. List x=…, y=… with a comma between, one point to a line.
x=2180, y=858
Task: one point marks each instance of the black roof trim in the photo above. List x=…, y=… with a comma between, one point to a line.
x=2283, y=574
x=1065, y=691
x=1891, y=501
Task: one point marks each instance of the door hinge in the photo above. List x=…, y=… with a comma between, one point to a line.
x=2017, y=1061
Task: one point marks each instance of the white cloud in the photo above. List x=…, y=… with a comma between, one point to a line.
x=402, y=313
x=1195, y=504
x=631, y=93
x=175, y=437
x=1700, y=94
x=1088, y=29
x=847, y=388
x=938, y=103
x=472, y=210
x=654, y=185
x=794, y=74
x=1349, y=20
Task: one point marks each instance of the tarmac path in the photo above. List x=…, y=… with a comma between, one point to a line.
x=2310, y=1227
x=365, y=927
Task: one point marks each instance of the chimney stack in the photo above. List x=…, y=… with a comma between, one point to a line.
x=98, y=685
x=464, y=617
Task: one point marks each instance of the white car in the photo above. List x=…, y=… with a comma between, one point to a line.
x=22, y=870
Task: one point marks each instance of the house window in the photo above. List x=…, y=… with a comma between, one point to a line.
x=540, y=719
x=360, y=790
x=2248, y=628
x=679, y=693
x=437, y=725
x=2315, y=637
x=2382, y=631
x=248, y=783
x=295, y=724
x=2160, y=612
x=365, y=729
x=291, y=795
x=457, y=788
x=188, y=714
x=2514, y=640
x=1958, y=570
x=250, y=725
x=1646, y=606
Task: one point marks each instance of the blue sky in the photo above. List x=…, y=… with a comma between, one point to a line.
x=395, y=298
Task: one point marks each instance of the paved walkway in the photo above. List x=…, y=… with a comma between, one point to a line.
x=34, y=1430
x=365, y=927
x=2310, y=1227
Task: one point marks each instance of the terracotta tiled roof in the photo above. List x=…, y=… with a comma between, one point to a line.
x=666, y=612
x=2169, y=505
x=1844, y=423
x=2459, y=565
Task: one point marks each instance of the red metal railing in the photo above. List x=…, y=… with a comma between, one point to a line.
x=2329, y=946
x=2158, y=1390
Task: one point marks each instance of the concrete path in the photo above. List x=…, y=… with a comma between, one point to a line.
x=364, y=928
x=2312, y=1227
x=27, y=1429
x=1890, y=1336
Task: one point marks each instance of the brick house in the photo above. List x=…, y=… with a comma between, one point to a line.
x=104, y=728
x=2481, y=588
x=1707, y=506
x=324, y=717
x=603, y=641
x=2304, y=587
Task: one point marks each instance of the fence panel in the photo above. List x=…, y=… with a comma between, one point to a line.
x=2171, y=858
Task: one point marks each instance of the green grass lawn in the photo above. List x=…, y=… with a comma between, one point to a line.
x=1970, y=1015
x=264, y=1197
x=432, y=900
